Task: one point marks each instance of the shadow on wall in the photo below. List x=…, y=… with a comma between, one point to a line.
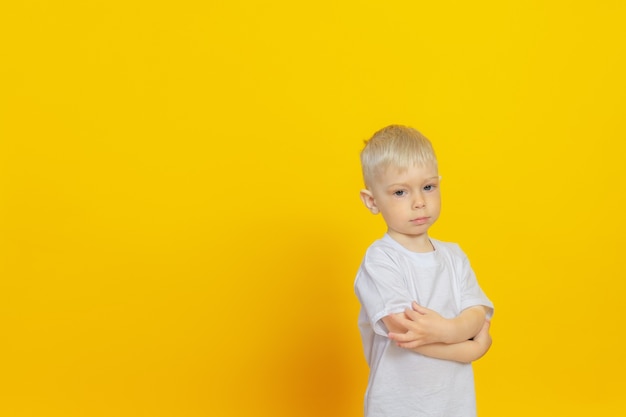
x=318, y=367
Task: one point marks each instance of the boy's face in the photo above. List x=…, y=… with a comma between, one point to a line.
x=409, y=201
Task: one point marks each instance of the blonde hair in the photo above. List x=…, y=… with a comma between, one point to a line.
x=399, y=146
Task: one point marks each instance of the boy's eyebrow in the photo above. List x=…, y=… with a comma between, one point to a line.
x=402, y=184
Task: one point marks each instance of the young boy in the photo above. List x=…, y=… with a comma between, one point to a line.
x=423, y=316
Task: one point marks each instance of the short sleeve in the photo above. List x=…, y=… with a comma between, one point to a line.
x=381, y=288
x=471, y=293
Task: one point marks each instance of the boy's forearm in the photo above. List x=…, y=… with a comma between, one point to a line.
x=465, y=352
x=466, y=325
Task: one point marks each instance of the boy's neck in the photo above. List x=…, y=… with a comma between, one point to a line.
x=419, y=244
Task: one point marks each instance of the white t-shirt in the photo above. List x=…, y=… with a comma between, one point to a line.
x=403, y=383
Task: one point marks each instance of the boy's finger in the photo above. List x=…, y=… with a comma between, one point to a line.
x=419, y=308
x=401, y=338
x=398, y=318
x=409, y=345
x=412, y=314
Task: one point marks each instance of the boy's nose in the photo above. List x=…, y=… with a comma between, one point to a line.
x=419, y=202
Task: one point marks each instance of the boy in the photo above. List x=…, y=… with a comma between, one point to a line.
x=423, y=316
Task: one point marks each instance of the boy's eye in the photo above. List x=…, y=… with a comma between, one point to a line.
x=429, y=187
x=399, y=193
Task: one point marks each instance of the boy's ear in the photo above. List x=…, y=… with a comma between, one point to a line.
x=368, y=199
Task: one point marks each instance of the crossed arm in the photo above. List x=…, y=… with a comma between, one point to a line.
x=464, y=338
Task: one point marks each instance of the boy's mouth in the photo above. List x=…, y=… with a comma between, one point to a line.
x=419, y=220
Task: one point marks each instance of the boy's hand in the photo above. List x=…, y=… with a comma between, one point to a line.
x=424, y=326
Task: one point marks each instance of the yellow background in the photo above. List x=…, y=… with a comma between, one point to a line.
x=179, y=215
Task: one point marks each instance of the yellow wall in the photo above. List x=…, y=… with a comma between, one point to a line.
x=179, y=214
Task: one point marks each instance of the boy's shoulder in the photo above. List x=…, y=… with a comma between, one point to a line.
x=383, y=247
x=449, y=246
x=449, y=249
x=386, y=244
